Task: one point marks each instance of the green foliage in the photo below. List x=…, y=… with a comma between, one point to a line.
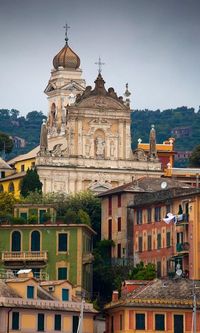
x=32, y=219
x=194, y=160
x=7, y=201
x=142, y=272
x=5, y=143
x=17, y=220
x=30, y=183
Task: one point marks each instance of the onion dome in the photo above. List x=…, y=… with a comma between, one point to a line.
x=66, y=58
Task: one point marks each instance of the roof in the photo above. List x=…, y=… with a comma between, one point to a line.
x=33, y=153
x=145, y=184
x=14, y=176
x=176, y=292
x=4, y=165
x=6, y=291
x=54, y=282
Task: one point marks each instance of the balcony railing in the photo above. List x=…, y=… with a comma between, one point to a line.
x=182, y=247
x=24, y=256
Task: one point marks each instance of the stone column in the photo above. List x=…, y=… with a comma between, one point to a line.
x=80, y=138
x=120, y=142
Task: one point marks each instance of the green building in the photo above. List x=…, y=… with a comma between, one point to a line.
x=52, y=249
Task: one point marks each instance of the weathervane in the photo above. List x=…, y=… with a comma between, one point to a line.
x=66, y=27
x=99, y=63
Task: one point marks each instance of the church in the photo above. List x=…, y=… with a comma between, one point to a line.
x=86, y=141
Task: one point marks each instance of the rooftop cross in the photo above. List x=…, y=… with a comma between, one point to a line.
x=66, y=27
x=99, y=63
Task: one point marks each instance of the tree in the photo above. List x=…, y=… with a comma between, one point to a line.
x=7, y=201
x=142, y=272
x=30, y=183
x=5, y=143
x=195, y=157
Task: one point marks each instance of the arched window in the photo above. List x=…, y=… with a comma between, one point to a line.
x=35, y=241
x=16, y=241
x=11, y=187
x=1, y=188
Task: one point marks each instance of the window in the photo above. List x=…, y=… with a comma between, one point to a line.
x=149, y=245
x=16, y=241
x=40, y=327
x=35, y=241
x=159, y=322
x=23, y=216
x=118, y=250
x=110, y=206
x=168, y=239
x=157, y=214
x=110, y=229
x=119, y=227
x=42, y=213
x=75, y=321
x=11, y=187
x=62, y=242
x=57, y=322
x=158, y=269
x=140, y=321
x=149, y=215
x=158, y=241
x=15, y=320
x=178, y=323
x=30, y=292
x=112, y=324
x=168, y=208
x=140, y=244
x=62, y=273
x=120, y=322
x=179, y=237
x=22, y=167
x=65, y=294
x=139, y=216
x=119, y=201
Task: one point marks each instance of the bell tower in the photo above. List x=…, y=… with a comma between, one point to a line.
x=65, y=83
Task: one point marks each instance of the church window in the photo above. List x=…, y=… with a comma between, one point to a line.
x=16, y=241
x=35, y=240
x=62, y=242
x=119, y=220
x=11, y=187
x=110, y=206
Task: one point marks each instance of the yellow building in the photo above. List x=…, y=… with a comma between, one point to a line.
x=51, y=306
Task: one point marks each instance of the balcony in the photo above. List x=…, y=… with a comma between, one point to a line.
x=184, y=220
x=24, y=256
x=182, y=247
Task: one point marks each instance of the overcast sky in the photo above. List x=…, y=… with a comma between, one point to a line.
x=154, y=45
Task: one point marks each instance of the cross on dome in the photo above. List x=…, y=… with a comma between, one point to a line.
x=100, y=63
x=66, y=27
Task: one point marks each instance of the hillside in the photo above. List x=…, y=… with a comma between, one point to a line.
x=182, y=118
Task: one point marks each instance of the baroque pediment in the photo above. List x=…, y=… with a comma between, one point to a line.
x=50, y=87
x=101, y=102
x=72, y=85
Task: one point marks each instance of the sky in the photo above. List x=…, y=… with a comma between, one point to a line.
x=153, y=45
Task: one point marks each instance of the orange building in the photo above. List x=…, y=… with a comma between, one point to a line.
x=132, y=216
x=160, y=305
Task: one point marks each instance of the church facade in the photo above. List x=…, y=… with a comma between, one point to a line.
x=86, y=141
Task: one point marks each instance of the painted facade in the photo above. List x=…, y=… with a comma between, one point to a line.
x=51, y=249
x=30, y=306
x=139, y=231
x=160, y=305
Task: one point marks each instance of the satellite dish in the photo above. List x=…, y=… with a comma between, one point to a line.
x=163, y=185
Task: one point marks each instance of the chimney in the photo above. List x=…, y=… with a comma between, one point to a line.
x=115, y=296
x=25, y=273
